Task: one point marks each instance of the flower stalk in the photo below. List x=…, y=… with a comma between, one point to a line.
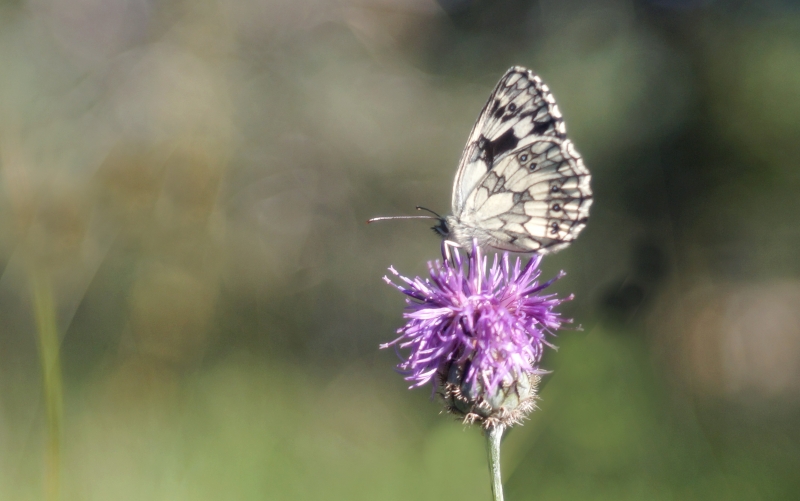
x=494, y=436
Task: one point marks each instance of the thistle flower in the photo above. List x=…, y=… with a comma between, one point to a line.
x=477, y=333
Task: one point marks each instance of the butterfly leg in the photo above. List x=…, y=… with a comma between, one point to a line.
x=446, y=246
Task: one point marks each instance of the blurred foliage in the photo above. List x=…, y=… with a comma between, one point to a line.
x=191, y=181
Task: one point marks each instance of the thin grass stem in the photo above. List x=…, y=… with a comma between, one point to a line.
x=50, y=359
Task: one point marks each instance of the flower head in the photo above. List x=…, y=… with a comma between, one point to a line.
x=477, y=332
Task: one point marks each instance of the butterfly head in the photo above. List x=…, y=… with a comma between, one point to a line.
x=442, y=228
x=452, y=229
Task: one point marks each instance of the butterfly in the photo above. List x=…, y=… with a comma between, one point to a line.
x=520, y=185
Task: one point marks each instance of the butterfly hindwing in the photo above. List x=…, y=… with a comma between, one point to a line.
x=534, y=199
x=520, y=108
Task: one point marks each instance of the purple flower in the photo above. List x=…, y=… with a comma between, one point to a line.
x=480, y=329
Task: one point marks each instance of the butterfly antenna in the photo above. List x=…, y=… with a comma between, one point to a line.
x=386, y=218
x=419, y=207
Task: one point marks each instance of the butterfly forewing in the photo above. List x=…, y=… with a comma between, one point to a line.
x=519, y=110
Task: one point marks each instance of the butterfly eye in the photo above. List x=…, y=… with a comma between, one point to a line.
x=554, y=228
x=523, y=157
x=512, y=107
x=556, y=207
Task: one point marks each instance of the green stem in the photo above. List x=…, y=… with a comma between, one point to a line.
x=49, y=347
x=493, y=437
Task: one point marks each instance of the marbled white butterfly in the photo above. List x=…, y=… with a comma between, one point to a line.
x=520, y=186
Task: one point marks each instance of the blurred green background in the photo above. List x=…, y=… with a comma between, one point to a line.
x=191, y=303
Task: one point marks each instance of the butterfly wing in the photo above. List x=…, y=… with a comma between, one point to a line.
x=520, y=109
x=534, y=199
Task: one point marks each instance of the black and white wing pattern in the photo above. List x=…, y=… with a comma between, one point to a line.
x=521, y=186
x=519, y=109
